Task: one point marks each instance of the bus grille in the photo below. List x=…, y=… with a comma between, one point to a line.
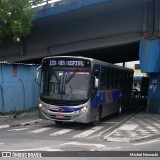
x=60, y=111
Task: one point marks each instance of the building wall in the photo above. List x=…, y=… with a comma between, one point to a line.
x=18, y=90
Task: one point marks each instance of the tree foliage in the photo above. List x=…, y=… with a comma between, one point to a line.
x=16, y=18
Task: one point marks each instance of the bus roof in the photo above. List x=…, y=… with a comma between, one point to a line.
x=93, y=60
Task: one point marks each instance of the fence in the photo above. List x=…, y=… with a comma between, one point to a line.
x=18, y=90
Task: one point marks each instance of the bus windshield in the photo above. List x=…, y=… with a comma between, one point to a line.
x=65, y=85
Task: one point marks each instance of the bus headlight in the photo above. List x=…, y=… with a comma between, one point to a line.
x=82, y=110
x=85, y=108
x=43, y=106
x=40, y=105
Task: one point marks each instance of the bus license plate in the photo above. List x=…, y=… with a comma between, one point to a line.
x=59, y=116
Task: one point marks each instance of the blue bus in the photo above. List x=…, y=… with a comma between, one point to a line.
x=80, y=89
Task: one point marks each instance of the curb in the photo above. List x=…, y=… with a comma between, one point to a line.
x=145, y=138
x=132, y=140
x=28, y=114
x=14, y=117
x=21, y=124
x=8, y=120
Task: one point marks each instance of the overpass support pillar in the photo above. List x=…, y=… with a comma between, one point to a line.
x=149, y=55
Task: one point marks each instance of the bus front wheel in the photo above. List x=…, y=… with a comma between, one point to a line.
x=97, y=118
x=58, y=123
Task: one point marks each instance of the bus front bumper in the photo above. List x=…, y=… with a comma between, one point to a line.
x=66, y=117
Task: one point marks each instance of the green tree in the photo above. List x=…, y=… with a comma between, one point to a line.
x=16, y=18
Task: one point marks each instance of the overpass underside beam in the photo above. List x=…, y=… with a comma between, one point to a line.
x=150, y=62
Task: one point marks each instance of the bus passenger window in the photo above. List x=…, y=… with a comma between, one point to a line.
x=102, y=78
x=96, y=71
x=112, y=78
x=108, y=77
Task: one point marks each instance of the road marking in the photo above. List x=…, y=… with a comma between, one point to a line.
x=18, y=129
x=1, y=143
x=111, y=148
x=88, y=132
x=40, y=130
x=92, y=147
x=85, y=144
x=106, y=130
x=109, y=122
x=4, y=126
x=116, y=125
x=128, y=127
x=110, y=133
x=61, y=132
x=152, y=128
x=137, y=144
x=31, y=122
x=40, y=149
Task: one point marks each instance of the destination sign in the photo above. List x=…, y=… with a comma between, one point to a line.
x=66, y=63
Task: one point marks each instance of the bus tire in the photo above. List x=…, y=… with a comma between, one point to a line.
x=98, y=117
x=58, y=123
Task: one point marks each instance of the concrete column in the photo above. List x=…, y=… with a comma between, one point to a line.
x=153, y=105
x=149, y=55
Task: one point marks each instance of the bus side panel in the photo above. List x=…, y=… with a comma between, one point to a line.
x=41, y=116
x=109, y=100
x=113, y=99
x=98, y=100
x=92, y=114
x=108, y=109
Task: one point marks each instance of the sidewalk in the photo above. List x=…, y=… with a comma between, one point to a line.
x=143, y=126
x=26, y=118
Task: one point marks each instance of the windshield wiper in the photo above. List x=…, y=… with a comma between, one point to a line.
x=70, y=77
x=63, y=82
x=58, y=80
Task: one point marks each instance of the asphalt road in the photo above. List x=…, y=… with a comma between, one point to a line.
x=47, y=136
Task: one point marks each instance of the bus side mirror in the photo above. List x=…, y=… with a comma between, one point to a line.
x=96, y=82
x=37, y=76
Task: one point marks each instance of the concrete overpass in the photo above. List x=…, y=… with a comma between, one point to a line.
x=103, y=29
x=109, y=30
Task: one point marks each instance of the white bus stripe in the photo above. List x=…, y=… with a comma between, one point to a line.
x=88, y=132
x=61, y=132
x=40, y=130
